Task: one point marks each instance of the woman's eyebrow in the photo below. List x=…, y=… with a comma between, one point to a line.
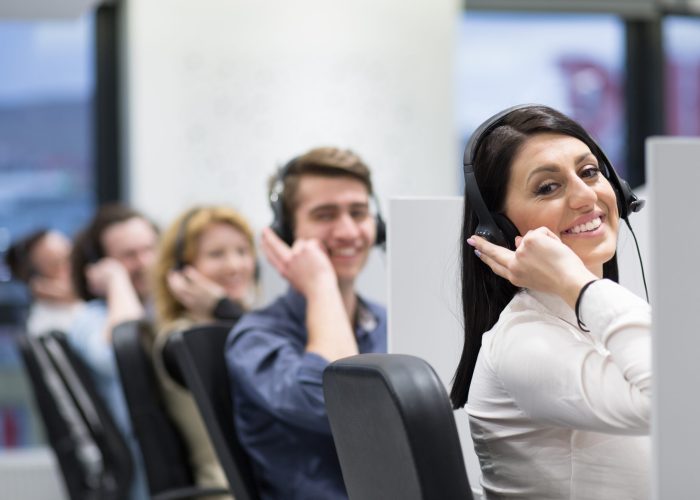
x=543, y=168
x=555, y=169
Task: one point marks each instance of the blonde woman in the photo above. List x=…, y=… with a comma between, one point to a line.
x=206, y=272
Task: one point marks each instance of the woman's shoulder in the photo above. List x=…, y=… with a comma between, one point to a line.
x=167, y=330
x=522, y=321
x=523, y=309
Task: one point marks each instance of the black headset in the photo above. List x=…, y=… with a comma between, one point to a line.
x=179, y=253
x=281, y=226
x=180, y=238
x=496, y=227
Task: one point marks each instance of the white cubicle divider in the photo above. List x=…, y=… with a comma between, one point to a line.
x=424, y=304
x=673, y=173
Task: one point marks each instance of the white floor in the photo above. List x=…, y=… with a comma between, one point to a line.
x=30, y=474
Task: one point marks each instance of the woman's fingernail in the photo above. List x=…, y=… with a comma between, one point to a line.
x=477, y=252
x=471, y=241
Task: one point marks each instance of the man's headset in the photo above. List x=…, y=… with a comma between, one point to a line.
x=181, y=237
x=496, y=227
x=281, y=226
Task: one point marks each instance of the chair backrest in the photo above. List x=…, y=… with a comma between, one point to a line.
x=93, y=456
x=64, y=425
x=164, y=451
x=199, y=352
x=394, y=429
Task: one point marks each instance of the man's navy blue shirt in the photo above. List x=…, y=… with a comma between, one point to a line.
x=278, y=402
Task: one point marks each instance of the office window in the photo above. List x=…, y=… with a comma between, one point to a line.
x=572, y=62
x=682, y=78
x=46, y=171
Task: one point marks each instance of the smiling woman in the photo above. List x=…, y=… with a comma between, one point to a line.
x=556, y=366
x=206, y=272
x=556, y=183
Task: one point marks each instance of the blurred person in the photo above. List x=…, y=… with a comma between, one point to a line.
x=556, y=367
x=323, y=232
x=111, y=264
x=205, y=272
x=41, y=260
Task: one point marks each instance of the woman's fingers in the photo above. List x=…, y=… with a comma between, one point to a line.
x=498, y=258
x=495, y=266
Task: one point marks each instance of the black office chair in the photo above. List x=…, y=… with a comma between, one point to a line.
x=94, y=458
x=199, y=353
x=394, y=429
x=163, y=449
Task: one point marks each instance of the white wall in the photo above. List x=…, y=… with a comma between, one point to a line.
x=219, y=92
x=424, y=309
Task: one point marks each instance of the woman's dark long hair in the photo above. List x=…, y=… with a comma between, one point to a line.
x=485, y=294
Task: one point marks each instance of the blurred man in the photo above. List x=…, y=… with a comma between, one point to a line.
x=111, y=262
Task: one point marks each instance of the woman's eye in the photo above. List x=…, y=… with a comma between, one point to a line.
x=546, y=188
x=590, y=172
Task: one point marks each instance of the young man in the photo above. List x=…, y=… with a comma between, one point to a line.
x=276, y=356
x=111, y=262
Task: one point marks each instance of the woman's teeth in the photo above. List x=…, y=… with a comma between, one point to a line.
x=591, y=225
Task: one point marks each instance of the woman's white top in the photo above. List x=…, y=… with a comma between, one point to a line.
x=559, y=413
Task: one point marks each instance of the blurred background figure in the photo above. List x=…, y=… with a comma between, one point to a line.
x=41, y=260
x=111, y=266
x=206, y=271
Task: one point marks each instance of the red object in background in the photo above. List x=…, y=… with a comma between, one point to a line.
x=10, y=428
x=683, y=98
x=593, y=93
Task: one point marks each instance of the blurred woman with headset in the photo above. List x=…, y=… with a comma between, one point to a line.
x=206, y=272
x=41, y=260
x=556, y=366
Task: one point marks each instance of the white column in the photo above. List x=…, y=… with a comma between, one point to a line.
x=219, y=92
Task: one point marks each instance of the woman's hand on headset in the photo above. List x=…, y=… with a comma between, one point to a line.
x=195, y=291
x=540, y=262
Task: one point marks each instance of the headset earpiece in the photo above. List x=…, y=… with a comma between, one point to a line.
x=508, y=230
x=180, y=239
x=279, y=224
x=627, y=201
x=381, y=231
x=379, y=224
